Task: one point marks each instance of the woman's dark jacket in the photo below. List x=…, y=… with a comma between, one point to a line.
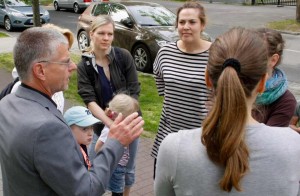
x=123, y=76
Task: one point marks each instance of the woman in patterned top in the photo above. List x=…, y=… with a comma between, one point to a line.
x=179, y=70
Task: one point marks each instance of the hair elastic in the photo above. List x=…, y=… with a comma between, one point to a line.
x=232, y=63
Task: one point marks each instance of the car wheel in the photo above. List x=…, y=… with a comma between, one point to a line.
x=142, y=59
x=83, y=40
x=76, y=8
x=7, y=24
x=56, y=7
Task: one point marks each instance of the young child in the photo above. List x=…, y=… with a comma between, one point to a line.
x=81, y=121
x=121, y=103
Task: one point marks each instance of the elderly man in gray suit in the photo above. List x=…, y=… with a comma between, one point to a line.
x=39, y=155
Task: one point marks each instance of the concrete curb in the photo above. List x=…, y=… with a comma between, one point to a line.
x=289, y=32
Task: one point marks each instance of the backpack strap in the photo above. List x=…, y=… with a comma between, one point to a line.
x=118, y=54
x=8, y=88
x=89, y=69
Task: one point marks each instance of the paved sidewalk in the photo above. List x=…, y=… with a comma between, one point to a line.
x=144, y=170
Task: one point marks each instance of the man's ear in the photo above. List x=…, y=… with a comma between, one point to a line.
x=207, y=80
x=38, y=71
x=262, y=83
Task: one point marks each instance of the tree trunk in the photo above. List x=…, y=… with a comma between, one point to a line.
x=298, y=11
x=36, y=13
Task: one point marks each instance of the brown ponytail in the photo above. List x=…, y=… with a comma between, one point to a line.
x=224, y=128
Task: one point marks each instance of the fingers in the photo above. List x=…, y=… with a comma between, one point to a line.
x=134, y=122
x=127, y=130
x=130, y=118
x=137, y=130
x=118, y=119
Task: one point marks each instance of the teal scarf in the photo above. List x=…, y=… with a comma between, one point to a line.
x=275, y=87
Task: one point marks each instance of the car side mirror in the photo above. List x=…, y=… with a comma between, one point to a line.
x=127, y=22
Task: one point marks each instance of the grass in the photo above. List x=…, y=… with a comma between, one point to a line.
x=46, y=2
x=3, y=35
x=150, y=102
x=285, y=25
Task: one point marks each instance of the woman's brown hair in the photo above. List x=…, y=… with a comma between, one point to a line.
x=194, y=5
x=224, y=128
x=275, y=42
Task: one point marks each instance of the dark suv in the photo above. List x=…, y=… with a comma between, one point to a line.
x=141, y=27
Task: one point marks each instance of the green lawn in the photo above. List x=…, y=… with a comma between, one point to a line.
x=46, y=2
x=285, y=25
x=3, y=35
x=150, y=102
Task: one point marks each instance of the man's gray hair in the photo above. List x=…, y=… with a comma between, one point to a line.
x=33, y=45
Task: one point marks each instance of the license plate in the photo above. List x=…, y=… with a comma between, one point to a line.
x=31, y=21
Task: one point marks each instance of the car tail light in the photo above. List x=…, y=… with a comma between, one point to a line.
x=85, y=1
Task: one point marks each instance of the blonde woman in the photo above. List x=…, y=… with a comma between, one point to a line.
x=104, y=71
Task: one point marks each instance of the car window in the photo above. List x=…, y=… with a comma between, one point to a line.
x=119, y=13
x=100, y=9
x=15, y=3
x=146, y=15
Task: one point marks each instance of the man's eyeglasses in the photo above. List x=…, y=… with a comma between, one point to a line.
x=68, y=64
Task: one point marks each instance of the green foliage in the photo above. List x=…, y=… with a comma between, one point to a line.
x=150, y=102
x=285, y=25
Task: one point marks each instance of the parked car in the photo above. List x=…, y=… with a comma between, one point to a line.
x=16, y=13
x=76, y=5
x=141, y=27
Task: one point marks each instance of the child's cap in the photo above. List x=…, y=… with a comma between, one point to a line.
x=80, y=116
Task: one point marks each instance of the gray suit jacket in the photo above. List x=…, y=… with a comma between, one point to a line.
x=39, y=155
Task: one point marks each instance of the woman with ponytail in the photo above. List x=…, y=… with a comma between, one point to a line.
x=232, y=154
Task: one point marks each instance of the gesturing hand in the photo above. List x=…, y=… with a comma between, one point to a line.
x=126, y=130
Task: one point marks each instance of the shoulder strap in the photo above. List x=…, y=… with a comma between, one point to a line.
x=118, y=56
x=89, y=69
x=8, y=88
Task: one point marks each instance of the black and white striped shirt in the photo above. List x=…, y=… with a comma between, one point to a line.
x=180, y=78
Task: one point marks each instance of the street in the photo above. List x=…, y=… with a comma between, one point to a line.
x=219, y=20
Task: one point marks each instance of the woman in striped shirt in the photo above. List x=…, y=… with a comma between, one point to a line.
x=179, y=70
